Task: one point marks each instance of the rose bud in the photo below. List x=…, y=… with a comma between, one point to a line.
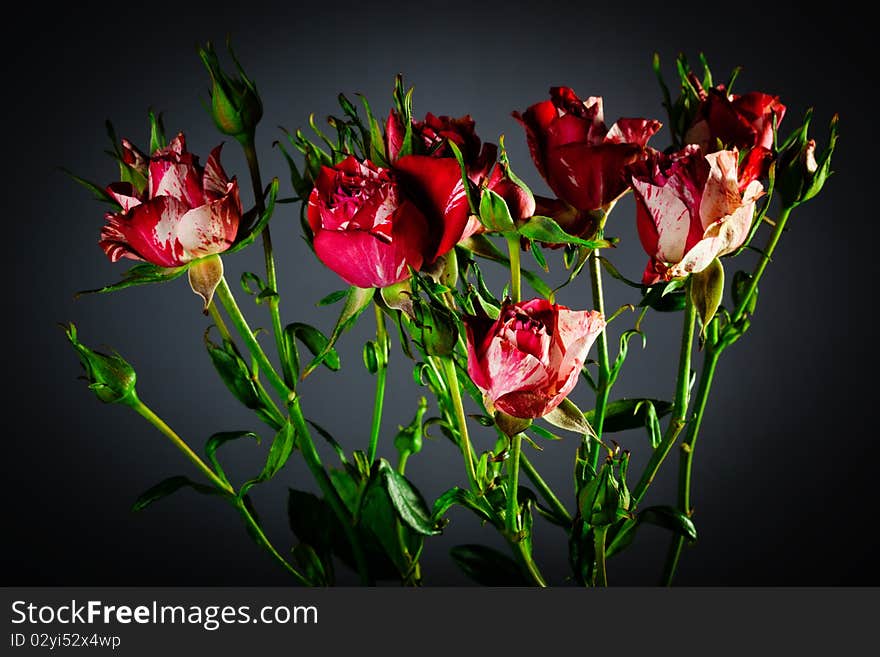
x=432, y=137
x=111, y=378
x=741, y=122
x=800, y=174
x=529, y=359
x=235, y=104
x=364, y=228
x=184, y=212
x=691, y=209
x=581, y=159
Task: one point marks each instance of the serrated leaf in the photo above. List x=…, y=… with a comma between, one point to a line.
x=669, y=518
x=545, y=229
x=140, y=275
x=569, y=417
x=487, y=566
x=407, y=501
x=356, y=302
x=167, y=487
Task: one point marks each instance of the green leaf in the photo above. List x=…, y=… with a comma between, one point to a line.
x=670, y=518
x=538, y=254
x=218, y=439
x=371, y=361
x=313, y=521
x=326, y=435
x=487, y=566
x=494, y=213
x=545, y=229
x=665, y=297
x=332, y=298
x=481, y=246
x=250, y=234
x=237, y=377
x=311, y=565
x=407, y=501
x=279, y=452
x=98, y=192
x=315, y=341
x=378, y=520
x=168, y=486
x=140, y=275
x=461, y=497
x=569, y=417
x=157, y=132
x=707, y=289
x=355, y=303
x=543, y=433
x=625, y=414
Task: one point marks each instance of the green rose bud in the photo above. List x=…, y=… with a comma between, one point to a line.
x=235, y=104
x=439, y=331
x=800, y=174
x=110, y=377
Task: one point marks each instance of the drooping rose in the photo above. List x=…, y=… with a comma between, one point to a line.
x=691, y=208
x=184, y=212
x=581, y=159
x=741, y=122
x=364, y=228
x=529, y=359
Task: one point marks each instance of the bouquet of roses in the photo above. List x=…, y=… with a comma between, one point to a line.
x=407, y=210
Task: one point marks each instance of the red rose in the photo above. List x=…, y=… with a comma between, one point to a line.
x=364, y=228
x=529, y=359
x=581, y=159
x=185, y=211
x=741, y=122
x=691, y=208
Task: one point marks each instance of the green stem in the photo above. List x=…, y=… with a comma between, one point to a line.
x=218, y=321
x=603, y=387
x=513, y=486
x=544, y=489
x=687, y=457
x=262, y=540
x=224, y=294
x=680, y=403
x=381, y=376
x=331, y=495
x=401, y=462
x=250, y=153
x=147, y=413
x=762, y=265
x=599, y=534
x=461, y=420
x=513, y=248
x=532, y=568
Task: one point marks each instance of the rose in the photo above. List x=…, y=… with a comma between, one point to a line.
x=529, y=359
x=364, y=229
x=182, y=212
x=741, y=122
x=691, y=208
x=581, y=159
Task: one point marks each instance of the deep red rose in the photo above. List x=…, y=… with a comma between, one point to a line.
x=184, y=212
x=581, y=159
x=364, y=228
x=530, y=358
x=742, y=122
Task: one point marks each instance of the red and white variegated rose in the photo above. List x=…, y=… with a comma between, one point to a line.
x=744, y=121
x=529, y=359
x=185, y=211
x=692, y=208
x=364, y=228
x=583, y=161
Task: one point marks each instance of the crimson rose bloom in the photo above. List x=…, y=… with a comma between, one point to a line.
x=183, y=213
x=530, y=358
x=581, y=159
x=692, y=208
x=741, y=122
x=364, y=228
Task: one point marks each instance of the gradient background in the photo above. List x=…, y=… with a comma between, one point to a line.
x=784, y=483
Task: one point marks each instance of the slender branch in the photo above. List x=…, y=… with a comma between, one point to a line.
x=260, y=537
x=331, y=495
x=147, y=413
x=513, y=486
x=513, y=248
x=381, y=376
x=543, y=488
x=461, y=420
x=224, y=294
x=603, y=389
x=218, y=321
x=250, y=153
x=680, y=403
x=599, y=534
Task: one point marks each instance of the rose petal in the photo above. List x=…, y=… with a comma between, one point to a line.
x=633, y=131
x=147, y=232
x=214, y=178
x=590, y=177
x=212, y=227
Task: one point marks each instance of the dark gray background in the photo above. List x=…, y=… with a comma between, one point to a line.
x=784, y=487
